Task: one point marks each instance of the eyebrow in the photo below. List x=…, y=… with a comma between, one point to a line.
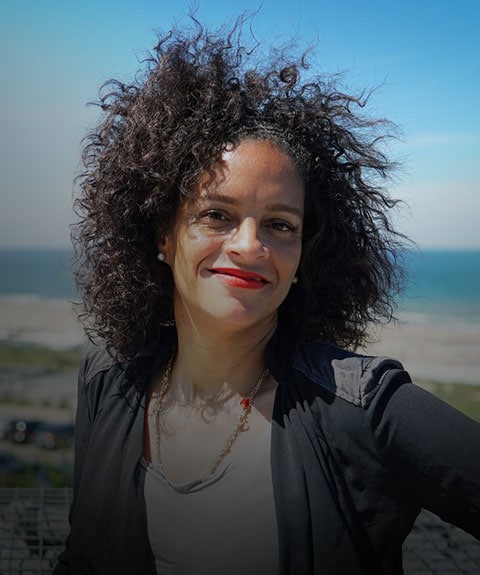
x=285, y=208
x=279, y=207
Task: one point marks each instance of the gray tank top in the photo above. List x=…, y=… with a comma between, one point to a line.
x=218, y=524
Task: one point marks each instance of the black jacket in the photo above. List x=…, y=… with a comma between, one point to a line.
x=357, y=450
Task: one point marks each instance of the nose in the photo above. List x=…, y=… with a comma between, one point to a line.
x=245, y=241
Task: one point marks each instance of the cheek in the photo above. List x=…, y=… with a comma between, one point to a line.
x=197, y=248
x=288, y=257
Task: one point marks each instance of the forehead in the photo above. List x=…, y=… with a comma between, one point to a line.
x=260, y=154
x=253, y=165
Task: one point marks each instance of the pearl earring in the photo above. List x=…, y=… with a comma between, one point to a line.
x=161, y=257
x=295, y=280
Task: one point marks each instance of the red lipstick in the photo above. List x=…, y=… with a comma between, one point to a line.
x=240, y=278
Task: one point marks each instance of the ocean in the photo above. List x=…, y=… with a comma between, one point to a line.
x=443, y=285
x=36, y=273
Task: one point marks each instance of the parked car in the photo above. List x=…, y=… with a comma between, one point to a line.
x=54, y=435
x=20, y=430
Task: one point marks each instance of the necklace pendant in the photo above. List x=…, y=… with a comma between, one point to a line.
x=245, y=403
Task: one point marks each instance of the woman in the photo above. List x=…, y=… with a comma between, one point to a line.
x=233, y=232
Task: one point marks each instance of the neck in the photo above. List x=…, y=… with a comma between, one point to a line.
x=210, y=362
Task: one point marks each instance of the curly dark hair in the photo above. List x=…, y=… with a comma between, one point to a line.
x=198, y=93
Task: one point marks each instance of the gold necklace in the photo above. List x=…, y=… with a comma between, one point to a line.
x=246, y=404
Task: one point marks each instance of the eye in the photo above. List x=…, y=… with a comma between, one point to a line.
x=215, y=219
x=216, y=215
x=282, y=226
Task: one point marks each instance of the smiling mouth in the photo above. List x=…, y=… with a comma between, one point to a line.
x=240, y=278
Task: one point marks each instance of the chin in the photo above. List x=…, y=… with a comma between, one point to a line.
x=240, y=317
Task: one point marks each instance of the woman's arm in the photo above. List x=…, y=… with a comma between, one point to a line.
x=82, y=437
x=431, y=448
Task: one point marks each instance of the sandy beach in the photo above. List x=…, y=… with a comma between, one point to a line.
x=432, y=352
x=47, y=322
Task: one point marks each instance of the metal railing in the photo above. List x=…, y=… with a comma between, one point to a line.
x=33, y=527
x=34, y=524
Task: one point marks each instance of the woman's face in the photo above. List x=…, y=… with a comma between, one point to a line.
x=236, y=244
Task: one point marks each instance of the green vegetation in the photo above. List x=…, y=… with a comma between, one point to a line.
x=465, y=398
x=37, y=475
x=38, y=357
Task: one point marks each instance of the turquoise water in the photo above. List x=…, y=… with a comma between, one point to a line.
x=36, y=273
x=444, y=285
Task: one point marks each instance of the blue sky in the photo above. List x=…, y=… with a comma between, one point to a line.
x=424, y=55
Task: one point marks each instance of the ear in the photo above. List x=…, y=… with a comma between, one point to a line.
x=164, y=244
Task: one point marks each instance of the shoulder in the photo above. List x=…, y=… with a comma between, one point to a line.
x=100, y=358
x=96, y=359
x=353, y=377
